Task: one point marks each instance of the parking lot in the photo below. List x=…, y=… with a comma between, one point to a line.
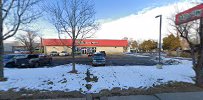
x=111, y=60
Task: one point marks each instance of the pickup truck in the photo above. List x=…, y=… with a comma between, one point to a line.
x=9, y=59
x=33, y=60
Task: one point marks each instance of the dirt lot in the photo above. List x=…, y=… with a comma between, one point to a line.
x=111, y=60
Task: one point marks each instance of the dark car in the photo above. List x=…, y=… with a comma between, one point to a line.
x=33, y=60
x=98, y=59
x=9, y=59
x=89, y=54
x=103, y=52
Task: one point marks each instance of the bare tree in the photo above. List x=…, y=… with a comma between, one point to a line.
x=187, y=31
x=30, y=40
x=14, y=14
x=190, y=31
x=134, y=44
x=75, y=19
x=126, y=47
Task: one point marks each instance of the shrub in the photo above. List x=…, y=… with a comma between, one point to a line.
x=185, y=55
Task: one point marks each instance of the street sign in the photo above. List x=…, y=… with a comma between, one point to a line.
x=190, y=14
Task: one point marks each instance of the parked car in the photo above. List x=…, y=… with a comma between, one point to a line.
x=63, y=53
x=103, y=52
x=98, y=59
x=21, y=52
x=33, y=60
x=54, y=53
x=9, y=59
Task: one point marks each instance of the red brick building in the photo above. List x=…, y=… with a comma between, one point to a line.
x=85, y=46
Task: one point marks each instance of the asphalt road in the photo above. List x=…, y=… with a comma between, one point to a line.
x=161, y=96
x=111, y=60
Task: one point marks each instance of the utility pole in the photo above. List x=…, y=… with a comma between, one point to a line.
x=160, y=16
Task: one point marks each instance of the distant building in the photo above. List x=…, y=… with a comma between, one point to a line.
x=12, y=46
x=85, y=46
x=8, y=46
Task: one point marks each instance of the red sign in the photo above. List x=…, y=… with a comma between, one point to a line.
x=190, y=14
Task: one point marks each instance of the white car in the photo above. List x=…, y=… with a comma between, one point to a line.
x=63, y=53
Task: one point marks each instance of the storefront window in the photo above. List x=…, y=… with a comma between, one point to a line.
x=94, y=49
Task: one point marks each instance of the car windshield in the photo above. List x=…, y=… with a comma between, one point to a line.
x=53, y=52
x=98, y=57
x=8, y=56
x=14, y=56
x=98, y=54
x=20, y=56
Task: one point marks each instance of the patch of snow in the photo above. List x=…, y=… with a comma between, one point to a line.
x=45, y=78
x=140, y=77
x=58, y=78
x=137, y=55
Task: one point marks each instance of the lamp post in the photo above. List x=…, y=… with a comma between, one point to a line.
x=159, y=16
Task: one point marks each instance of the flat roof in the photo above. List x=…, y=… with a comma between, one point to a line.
x=85, y=42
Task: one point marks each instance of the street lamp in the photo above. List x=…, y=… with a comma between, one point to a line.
x=159, y=16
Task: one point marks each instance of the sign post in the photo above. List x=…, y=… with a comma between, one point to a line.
x=189, y=15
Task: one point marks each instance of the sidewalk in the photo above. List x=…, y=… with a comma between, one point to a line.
x=162, y=96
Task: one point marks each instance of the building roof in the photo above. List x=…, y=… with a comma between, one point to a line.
x=85, y=42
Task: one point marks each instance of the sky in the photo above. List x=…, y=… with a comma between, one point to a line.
x=112, y=9
x=127, y=18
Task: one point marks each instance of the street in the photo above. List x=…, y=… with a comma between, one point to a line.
x=161, y=96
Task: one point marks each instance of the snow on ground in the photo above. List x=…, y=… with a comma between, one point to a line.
x=141, y=77
x=137, y=55
x=58, y=78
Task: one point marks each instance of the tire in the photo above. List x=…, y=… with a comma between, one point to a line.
x=49, y=62
x=9, y=65
x=36, y=65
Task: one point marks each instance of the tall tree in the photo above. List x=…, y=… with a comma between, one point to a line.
x=13, y=15
x=29, y=39
x=171, y=42
x=73, y=18
x=134, y=44
x=148, y=45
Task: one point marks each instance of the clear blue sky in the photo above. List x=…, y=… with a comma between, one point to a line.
x=111, y=9
x=118, y=8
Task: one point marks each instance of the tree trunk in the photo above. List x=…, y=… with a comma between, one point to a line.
x=193, y=55
x=198, y=69
x=73, y=56
x=1, y=45
x=73, y=52
x=1, y=56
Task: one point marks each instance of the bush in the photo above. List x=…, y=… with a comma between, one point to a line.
x=185, y=55
x=172, y=53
